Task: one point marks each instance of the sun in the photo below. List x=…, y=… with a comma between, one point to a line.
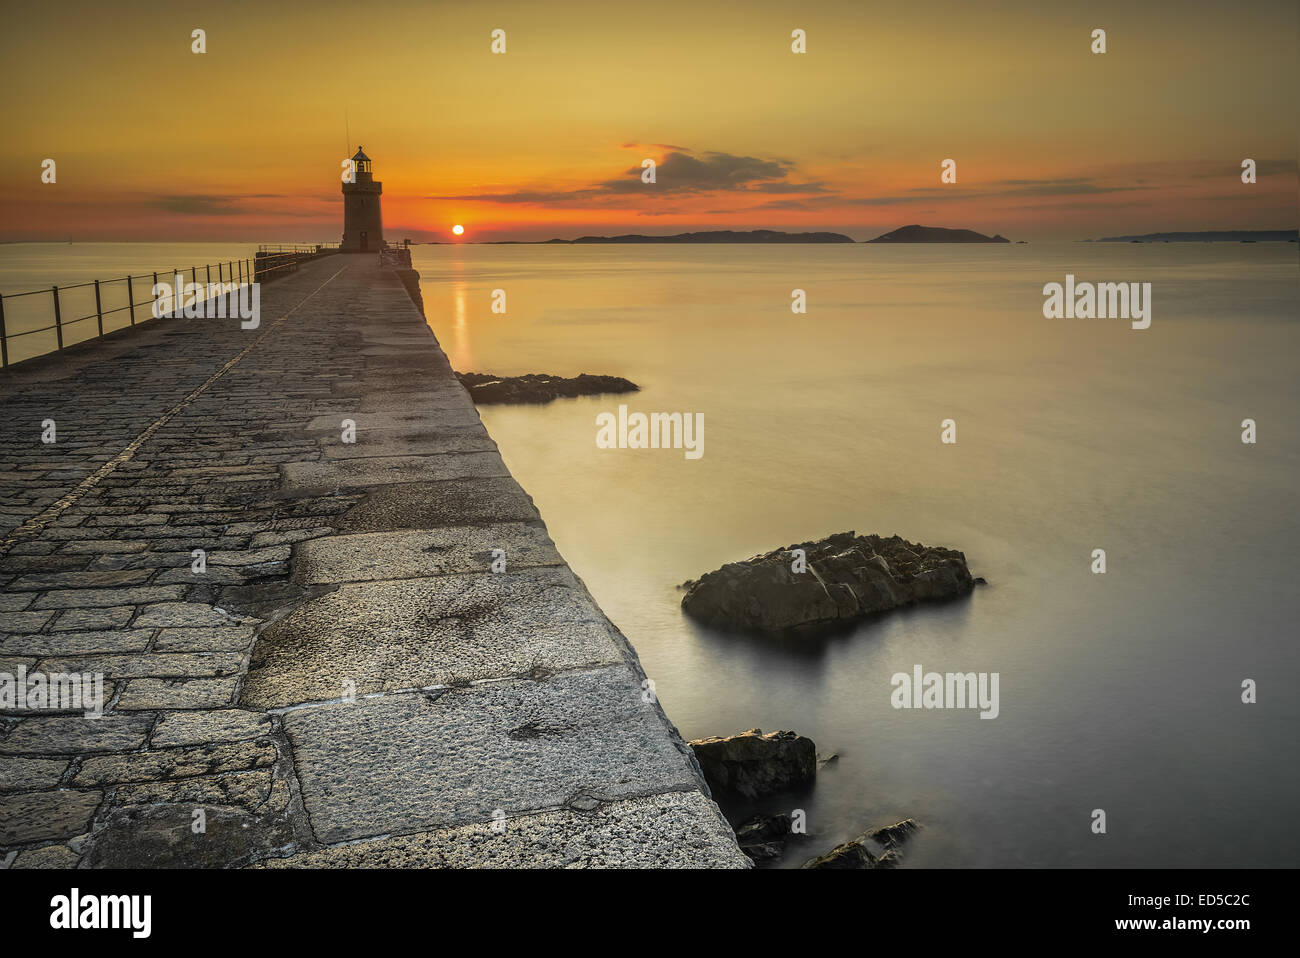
x=458, y=229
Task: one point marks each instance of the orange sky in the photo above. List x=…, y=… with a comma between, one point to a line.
x=244, y=141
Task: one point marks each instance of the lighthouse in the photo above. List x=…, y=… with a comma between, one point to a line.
x=363, y=224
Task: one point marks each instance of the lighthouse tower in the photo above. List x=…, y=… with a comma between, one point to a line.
x=363, y=224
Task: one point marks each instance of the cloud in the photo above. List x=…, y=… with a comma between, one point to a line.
x=890, y=200
x=1063, y=186
x=1265, y=167
x=682, y=173
x=792, y=188
x=208, y=204
x=678, y=173
x=196, y=204
x=540, y=197
x=655, y=146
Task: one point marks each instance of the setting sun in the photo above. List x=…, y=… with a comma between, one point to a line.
x=458, y=229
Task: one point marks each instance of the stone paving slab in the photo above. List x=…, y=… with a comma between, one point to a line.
x=426, y=504
x=411, y=554
x=415, y=633
x=442, y=420
x=301, y=637
x=395, y=444
x=669, y=830
x=433, y=399
x=383, y=470
x=405, y=763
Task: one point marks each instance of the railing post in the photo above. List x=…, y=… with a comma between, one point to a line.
x=153, y=312
x=4, y=336
x=58, y=317
x=130, y=300
x=99, y=310
x=194, y=275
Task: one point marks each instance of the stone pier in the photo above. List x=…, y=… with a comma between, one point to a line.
x=338, y=678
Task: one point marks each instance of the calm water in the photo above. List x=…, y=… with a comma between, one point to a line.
x=1118, y=691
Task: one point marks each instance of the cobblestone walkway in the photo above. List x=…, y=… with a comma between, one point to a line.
x=344, y=681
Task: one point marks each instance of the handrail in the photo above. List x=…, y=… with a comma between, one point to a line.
x=264, y=265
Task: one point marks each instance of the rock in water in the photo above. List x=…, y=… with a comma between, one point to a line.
x=751, y=765
x=847, y=577
x=878, y=849
x=763, y=837
x=539, y=387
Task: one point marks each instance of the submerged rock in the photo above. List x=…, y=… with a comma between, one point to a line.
x=539, y=387
x=847, y=577
x=751, y=765
x=878, y=849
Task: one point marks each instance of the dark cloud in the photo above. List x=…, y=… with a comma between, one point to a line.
x=1265, y=167
x=217, y=204
x=682, y=173
x=679, y=173
x=1065, y=186
x=521, y=196
x=791, y=188
x=196, y=204
x=887, y=200
x=657, y=146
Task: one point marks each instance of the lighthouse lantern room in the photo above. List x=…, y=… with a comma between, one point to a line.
x=363, y=223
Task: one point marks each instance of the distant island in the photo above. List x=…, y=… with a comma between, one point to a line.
x=906, y=234
x=1209, y=236
x=936, y=234
x=713, y=236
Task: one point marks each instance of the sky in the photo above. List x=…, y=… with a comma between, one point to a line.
x=244, y=142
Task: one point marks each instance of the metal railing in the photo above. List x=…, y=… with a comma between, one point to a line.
x=299, y=247
x=397, y=256
x=267, y=264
